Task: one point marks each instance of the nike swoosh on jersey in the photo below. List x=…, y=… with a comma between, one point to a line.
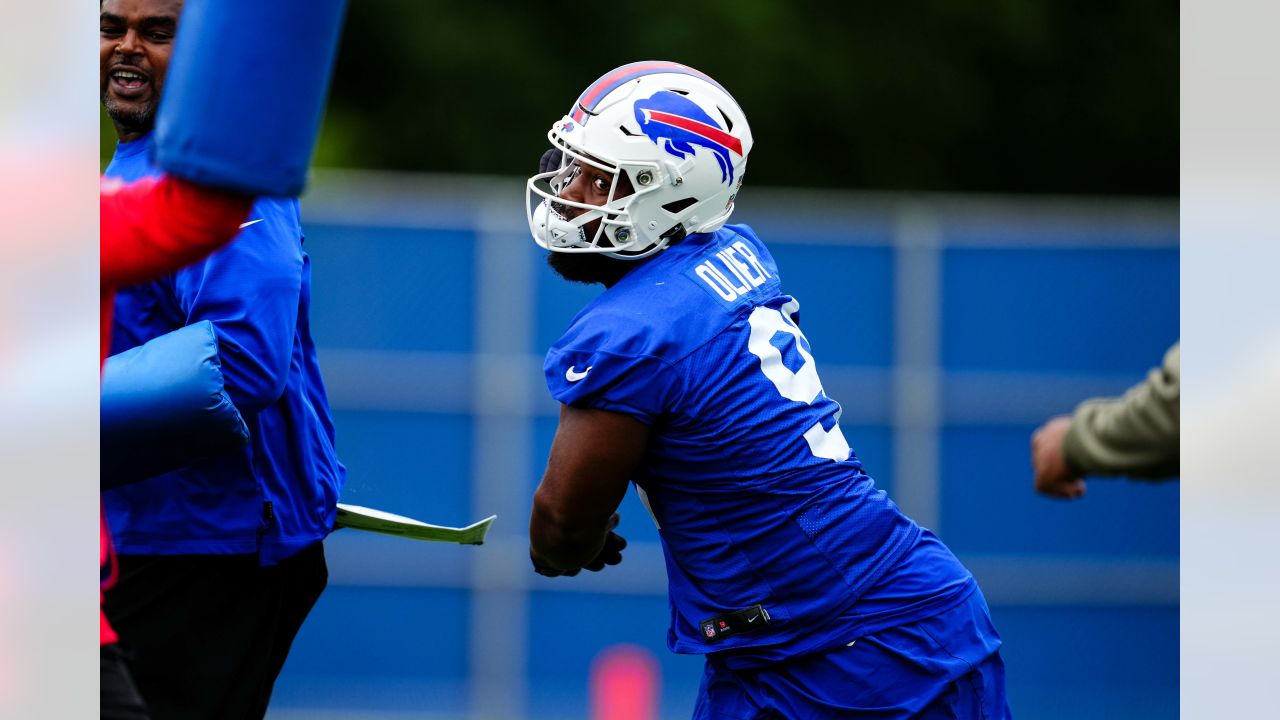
x=244, y=225
x=573, y=376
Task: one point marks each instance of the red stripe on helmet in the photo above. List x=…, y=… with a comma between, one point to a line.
x=710, y=132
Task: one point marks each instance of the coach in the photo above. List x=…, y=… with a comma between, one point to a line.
x=221, y=562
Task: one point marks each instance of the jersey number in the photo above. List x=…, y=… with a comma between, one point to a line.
x=802, y=385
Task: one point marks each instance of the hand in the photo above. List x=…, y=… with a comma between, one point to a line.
x=610, y=554
x=546, y=570
x=1052, y=476
x=550, y=161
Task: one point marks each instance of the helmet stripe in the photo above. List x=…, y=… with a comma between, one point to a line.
x=710, y=132
x=605, y=85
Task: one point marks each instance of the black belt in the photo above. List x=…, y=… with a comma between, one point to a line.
x=738, y=622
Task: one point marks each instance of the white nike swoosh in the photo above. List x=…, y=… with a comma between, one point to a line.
x=572, y=376
x=753, y=618
x=244, y=225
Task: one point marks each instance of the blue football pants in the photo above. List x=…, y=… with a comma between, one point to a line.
x=944, y=667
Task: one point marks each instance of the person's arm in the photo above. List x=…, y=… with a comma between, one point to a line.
x=156, y=226
x=251, y=292
x=593, y=457
x=1135, y=435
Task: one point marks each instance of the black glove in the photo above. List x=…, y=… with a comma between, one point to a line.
x=550, y=161
x=610, y=554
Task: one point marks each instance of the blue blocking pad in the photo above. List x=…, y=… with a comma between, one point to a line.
x=164, y=407
x=245, y=92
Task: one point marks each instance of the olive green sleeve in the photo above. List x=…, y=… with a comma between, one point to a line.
x=1134, y=435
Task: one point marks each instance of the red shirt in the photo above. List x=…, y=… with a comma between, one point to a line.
x=149, y=228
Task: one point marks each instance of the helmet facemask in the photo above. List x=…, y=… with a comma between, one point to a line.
x=615, y=234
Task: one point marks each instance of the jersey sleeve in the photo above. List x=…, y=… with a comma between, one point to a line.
x=155, y=226
x=1135, y=435
x=250, y=291
x=600, y=373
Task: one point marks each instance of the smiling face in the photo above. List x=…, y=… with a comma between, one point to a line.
x=136, y=38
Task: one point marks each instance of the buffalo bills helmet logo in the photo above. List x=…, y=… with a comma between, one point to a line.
x=676, y=124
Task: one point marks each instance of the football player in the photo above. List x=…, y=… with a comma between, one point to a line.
x=809, y=592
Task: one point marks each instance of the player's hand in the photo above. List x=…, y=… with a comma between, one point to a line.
x=611, y=552
x=1052, y=476
x=550, y=161
x=546, y=570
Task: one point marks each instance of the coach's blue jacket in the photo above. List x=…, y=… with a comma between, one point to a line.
x=277, y=495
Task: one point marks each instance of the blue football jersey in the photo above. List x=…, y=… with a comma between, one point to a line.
x=772, y=532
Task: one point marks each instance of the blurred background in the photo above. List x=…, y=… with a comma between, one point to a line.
x=976, y=205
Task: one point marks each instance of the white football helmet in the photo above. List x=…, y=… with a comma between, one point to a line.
x=679, y=138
